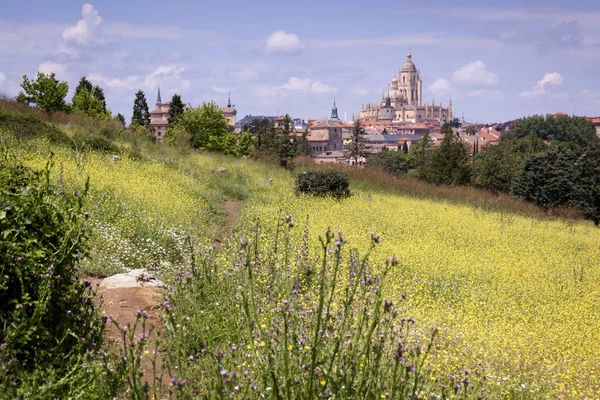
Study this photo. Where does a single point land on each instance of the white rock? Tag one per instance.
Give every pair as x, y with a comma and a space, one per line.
134, 278
222, 169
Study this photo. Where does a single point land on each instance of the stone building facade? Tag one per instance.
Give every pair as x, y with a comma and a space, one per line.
404, 101
229, 112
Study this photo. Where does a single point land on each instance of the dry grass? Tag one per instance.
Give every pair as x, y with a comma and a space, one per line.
375, 178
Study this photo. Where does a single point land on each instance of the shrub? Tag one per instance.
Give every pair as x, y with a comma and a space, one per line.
324, 183
48, 318
87, 142
26, 127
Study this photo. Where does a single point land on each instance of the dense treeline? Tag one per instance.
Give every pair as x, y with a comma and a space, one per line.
553, 161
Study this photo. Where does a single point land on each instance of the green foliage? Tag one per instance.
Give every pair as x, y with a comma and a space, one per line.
141, 115
323, 183
121, 119
586, 195
575, 133
420, 155
245, 143
449, 161
207, 128
548, 179
495, 166
26, 127
45, 92
84, 84
86, 103
470, 131
176, 109
85, 141
394, 162
48, 316
357, 145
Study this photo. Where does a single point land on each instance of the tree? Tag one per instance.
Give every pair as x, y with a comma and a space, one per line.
495, 166
304, 147
471, 131
450, 161
405, 147
121, 119
394, 162
358, 143
548, 179
574, 133
46, 93
84, 84
141, 115
245, 143
85, 103
206, 126
286, 146
420, 155
586, 195
177, 108
99, 95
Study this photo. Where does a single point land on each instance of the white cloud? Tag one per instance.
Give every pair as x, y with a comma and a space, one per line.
540, 89
86, 28
130, 82
294, 85
49, 67
476, 74
2, 78
170, 76
440, 86
306, 85
281, 42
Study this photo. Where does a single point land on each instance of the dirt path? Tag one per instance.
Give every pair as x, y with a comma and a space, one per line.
123, 303
233, 210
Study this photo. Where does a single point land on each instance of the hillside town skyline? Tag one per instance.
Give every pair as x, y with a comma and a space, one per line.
496, 62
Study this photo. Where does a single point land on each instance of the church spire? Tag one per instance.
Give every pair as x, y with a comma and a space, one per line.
334, 112
158, 100
229, 100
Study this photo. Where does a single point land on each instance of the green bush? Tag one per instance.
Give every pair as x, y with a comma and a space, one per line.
28, 127
323, 183
48, 318
87, 142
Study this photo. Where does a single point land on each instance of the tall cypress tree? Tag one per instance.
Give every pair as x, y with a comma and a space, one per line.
176, 109
141, 115
99, 94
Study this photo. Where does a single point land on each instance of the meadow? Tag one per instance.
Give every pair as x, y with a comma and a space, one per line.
517, 294
513, 297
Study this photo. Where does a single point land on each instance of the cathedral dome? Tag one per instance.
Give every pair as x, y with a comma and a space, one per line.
409, 66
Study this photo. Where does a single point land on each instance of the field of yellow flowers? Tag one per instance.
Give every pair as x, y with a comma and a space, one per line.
519, 295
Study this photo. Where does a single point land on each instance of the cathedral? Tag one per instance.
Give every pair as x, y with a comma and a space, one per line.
404, 101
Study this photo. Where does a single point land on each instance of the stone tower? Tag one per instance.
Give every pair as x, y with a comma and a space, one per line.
409, 82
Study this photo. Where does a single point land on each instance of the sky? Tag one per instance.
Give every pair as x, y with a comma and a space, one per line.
496, 60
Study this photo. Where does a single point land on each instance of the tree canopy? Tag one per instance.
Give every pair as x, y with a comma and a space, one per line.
176, 109
45, 92
141, 115
357, 145
575, 133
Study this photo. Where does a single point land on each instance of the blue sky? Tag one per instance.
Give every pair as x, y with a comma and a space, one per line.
497, 60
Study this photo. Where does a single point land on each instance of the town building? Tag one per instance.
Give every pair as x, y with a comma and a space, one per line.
404, 100
159, 118
229, 112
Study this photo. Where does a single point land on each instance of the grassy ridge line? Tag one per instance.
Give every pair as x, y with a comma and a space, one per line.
377, 180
